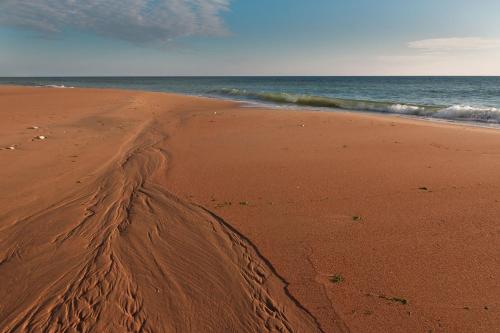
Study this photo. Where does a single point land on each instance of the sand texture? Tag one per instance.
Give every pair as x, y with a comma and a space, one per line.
148, 212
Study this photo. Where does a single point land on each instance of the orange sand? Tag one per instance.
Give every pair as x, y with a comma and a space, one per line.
127, 218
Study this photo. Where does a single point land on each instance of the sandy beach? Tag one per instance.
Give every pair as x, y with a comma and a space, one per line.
129, 211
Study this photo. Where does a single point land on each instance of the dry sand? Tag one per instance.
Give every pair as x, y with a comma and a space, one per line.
146, 212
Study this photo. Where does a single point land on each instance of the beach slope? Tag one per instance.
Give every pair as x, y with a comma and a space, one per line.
127, 211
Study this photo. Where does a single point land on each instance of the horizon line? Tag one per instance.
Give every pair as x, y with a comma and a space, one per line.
221, 76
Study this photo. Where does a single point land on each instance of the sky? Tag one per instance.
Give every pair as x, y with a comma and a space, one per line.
249, 37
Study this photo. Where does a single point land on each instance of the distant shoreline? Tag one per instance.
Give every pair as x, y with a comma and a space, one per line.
456, 99
263, 105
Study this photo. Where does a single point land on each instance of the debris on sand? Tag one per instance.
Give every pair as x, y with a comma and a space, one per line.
33, 127
224, 204
399, 300
394, 299
336, 278
40, 137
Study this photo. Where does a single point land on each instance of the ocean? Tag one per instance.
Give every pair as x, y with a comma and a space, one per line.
471, 99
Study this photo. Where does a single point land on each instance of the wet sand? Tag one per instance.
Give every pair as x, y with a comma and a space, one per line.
158, 212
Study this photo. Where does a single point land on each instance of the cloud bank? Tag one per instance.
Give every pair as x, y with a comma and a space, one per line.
455, 44
137, 21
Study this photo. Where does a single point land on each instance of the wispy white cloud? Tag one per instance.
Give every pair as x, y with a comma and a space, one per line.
440, 63
455, 44
138, 21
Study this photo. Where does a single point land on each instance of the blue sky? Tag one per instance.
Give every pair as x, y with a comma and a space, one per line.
249, 37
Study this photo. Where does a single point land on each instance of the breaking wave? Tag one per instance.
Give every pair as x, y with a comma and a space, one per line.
452, 112
62, 86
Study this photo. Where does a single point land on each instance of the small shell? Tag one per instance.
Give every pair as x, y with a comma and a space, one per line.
40, 137
11, 148
33, 127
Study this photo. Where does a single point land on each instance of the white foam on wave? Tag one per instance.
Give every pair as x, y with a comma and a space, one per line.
403, 108
62, 86
467, 112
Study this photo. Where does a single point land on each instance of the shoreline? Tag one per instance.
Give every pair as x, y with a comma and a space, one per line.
273, 106
359, 216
